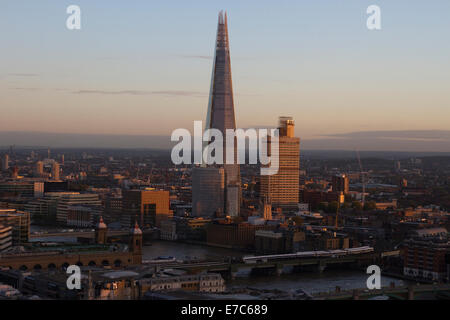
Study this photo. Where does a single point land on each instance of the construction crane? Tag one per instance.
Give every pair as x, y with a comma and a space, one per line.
362, 178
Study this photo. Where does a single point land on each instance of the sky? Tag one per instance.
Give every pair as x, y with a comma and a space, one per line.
144, 68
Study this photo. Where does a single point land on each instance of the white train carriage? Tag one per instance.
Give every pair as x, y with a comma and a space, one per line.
359, 250
321, 253
307, 254
338, 253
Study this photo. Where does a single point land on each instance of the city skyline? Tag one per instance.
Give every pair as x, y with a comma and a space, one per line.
389, 141
122, 177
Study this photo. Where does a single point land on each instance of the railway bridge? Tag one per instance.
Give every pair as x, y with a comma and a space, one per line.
273, 266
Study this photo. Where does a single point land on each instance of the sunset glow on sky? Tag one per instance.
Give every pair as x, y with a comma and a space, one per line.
144, 69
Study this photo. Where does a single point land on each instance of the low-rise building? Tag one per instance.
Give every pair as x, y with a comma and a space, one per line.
425, 252
168, 230
209, 282
233, 235
279, 241
83, 216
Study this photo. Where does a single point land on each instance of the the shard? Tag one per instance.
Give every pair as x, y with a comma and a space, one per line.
220, 116
221, 105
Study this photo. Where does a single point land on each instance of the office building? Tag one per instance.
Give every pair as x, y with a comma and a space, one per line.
168, 230
424, 254
39, 171
233, 235
19, 221
5, 162
67, 200
55, 171
5, 238
340, 183
279, 241
21, 189
282, 188
191, 228
208, 192
43, 210
113, 208
83, 216
146, 207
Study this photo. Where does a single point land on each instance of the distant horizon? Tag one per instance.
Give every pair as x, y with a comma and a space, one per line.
145, 69
435, 141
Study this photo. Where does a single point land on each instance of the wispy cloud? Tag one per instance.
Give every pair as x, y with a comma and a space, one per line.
24, 89
109, 58
412, 135
143, 92
203, 57
193, 56
23, 74
180, 93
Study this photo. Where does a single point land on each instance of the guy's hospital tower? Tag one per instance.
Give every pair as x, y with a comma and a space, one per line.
216, 189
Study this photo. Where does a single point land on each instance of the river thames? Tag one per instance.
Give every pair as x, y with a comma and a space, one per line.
311, 282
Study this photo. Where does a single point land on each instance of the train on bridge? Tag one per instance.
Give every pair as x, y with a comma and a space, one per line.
308, 254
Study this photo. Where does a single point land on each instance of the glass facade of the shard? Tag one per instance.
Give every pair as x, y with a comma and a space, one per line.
221, 116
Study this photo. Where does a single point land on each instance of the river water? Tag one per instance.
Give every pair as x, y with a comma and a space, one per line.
311, 282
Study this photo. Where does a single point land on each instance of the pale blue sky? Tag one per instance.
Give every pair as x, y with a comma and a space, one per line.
143, 67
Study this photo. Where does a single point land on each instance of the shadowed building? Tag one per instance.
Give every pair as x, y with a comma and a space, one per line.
100, 254
68, 199
39, 170
340, 183
208, 185
5, 162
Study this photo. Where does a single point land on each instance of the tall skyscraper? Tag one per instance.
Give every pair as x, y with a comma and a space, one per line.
340, 183
55, 171
39, 171
220, 116
208, 191
5, 162
282, 189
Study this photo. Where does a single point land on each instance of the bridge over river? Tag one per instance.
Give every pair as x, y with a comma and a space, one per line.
231, 268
